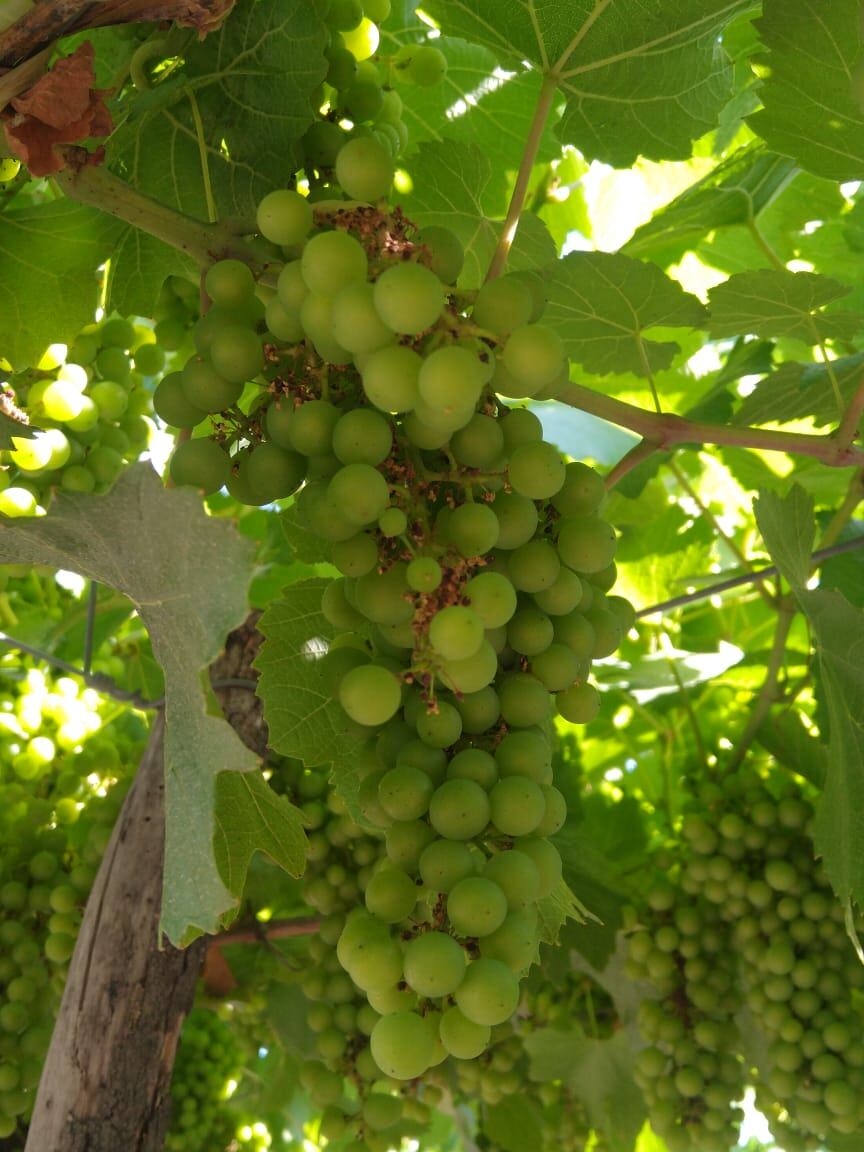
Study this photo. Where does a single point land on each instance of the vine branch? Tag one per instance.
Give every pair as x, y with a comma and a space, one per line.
523, 176
664, 430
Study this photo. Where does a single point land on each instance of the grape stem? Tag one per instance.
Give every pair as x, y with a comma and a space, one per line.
523, 176
203, 243
664, 430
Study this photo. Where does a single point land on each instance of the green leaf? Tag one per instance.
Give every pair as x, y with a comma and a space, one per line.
250, 817
643, 86
734, 192
251, 81
797, 391
838, 637
556, 909
601, 303
186, 574
599, 1072
788, 529
450, 187
812, 87
303, 719
51, 254
514, 1125
772, 302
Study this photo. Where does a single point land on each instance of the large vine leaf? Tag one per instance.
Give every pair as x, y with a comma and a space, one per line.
646, 85
251, 84
787, 526
812, 88
601, 303
735, 192
49, 289
515, 1124
303, 719
796, 391
450, 188
186, 574
775, 302
250, 817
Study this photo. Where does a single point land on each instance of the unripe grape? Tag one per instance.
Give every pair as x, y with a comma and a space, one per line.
434, 964
459, 810
409, 298
476, 906
402, 1045
404, 793
229, 283
502, 305
492, 598
391, 895
331, 261
200, 464
364, 168
489, 992
586, 543
517, 876
171, 404
390, 378
462, 1037
360, 492
444, 863
548, 862
456, 633
370, 694
517, 805
473, 764
534, 356
357, 325
445, 254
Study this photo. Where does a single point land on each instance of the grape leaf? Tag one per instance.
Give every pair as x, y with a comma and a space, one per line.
450, 188
250, 817
645, 86
734, 192
515, 1124
555, 910
837, 628
49, 289
599, 1072
796, 391
811, 93
601, 303
303, 719
186, 573
251, 82
772, 302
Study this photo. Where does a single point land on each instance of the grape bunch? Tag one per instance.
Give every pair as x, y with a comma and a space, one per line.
54, 827
209, 1060
473, 598
89, 415
689, 1071
753, 858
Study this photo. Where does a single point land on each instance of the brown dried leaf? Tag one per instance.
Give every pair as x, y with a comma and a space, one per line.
61, 108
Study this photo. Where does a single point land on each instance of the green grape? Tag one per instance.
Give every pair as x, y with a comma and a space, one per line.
362, 436
444, 863
9, 169
555, 813
459, 810
456, 633
534, 356
472, 674
364, 166
404, 792
451, 379
381, 1112
268, 473
282, 323
489, 993
582, 493
402, 1045
444, 252
149, 359
277, 421
331, 261
562, 596
342, 66
426, 66
381, 596
391, 895
586, 544
409, 298
355, 556
371, 694
473, 764
534, 566
376, 964
106, 464
476, 906
530, 632
311, 427
393, 522
517, 519
579, 704
514, 943
547, 859
62, 400
434, 964
517, 805
502, 305
537, 471
441, 728
361, 101
113, 364
473, 529
479, 444
291, 287
515, 873
284, 217
356, 323
236, 354
390, 378
360, 492
204, 389
520, 426
492, 598
200, 464
111, 399
405, 841
523, 699
558, 667
229, 283
462, 1037
377, 10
